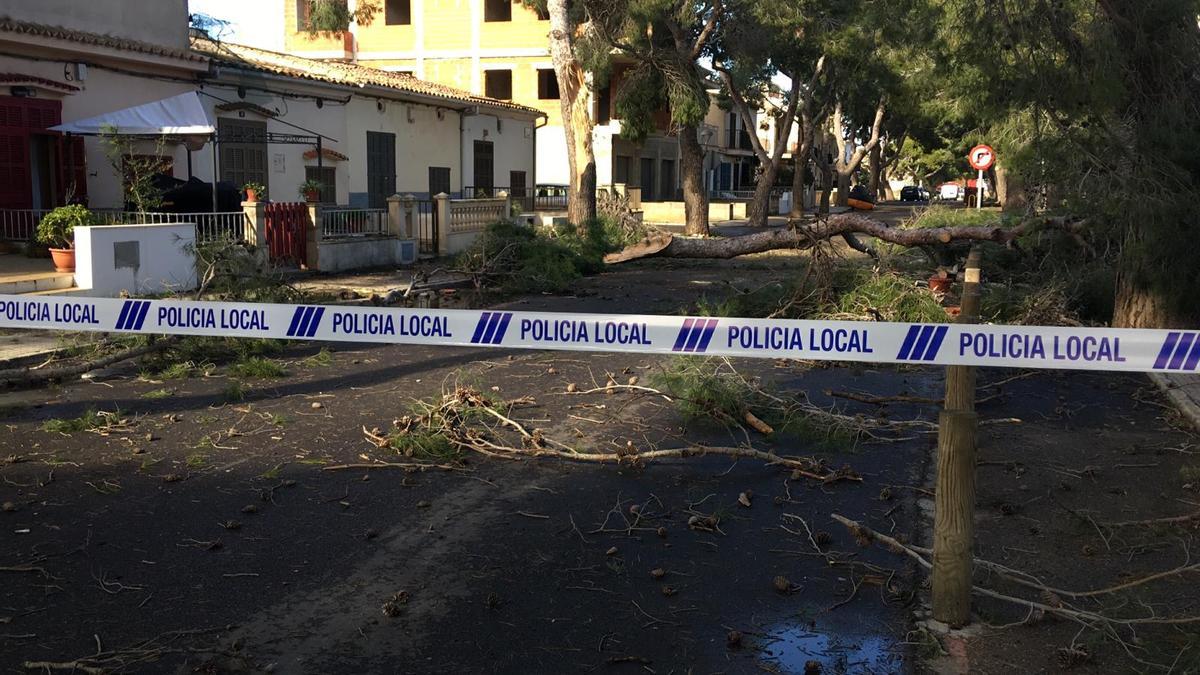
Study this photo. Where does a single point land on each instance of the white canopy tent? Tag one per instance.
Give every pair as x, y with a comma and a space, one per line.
181, 115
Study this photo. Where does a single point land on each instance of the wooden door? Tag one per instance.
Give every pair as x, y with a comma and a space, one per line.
381, 168
485, 166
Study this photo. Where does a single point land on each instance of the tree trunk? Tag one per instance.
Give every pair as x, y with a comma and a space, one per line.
1137, 304
843, 177
760, 205
1010, 190
876, 159
695, 197
827, 186
574, 101
800, 174
842, 224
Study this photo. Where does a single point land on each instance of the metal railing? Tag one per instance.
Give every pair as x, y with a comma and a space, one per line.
738, 139
347, 222
536, 198
21, 224
425, 228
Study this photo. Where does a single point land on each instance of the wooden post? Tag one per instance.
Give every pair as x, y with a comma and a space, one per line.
954, 515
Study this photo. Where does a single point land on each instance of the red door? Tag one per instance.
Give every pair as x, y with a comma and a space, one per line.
287, 229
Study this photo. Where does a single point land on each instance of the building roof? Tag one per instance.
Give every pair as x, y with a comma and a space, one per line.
18, 78
339, 72
10, 25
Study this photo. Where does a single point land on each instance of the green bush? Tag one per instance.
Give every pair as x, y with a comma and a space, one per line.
522, 259
57, 228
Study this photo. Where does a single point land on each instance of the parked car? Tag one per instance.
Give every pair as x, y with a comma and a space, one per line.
914, 193
950, 192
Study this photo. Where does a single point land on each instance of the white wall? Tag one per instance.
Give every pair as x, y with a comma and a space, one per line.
162, 262
512, 141
424, 142
552, 165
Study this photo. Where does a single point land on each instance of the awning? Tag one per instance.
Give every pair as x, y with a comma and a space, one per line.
180, 115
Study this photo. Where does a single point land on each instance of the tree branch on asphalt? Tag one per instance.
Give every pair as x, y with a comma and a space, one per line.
842, 224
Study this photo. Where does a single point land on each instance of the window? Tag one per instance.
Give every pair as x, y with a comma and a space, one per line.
327, 177
621, 171
398, 13
302, 10
516, 183
604, 105
547, 84
497, 10
439, 180
498, 84
484, 161
243, 149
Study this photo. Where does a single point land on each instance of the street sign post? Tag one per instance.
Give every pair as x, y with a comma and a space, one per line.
981, 158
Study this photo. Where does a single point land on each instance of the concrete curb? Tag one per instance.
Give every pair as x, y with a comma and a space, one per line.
1184, 392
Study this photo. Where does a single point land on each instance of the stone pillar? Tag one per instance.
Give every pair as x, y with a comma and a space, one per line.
412, 216
312, 228
397, 215
255, 231
503, 194
441, 202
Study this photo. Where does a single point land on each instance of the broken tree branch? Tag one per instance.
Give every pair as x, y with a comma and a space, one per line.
664, 244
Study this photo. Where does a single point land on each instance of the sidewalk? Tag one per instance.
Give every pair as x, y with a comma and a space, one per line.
22, 344
1184, 392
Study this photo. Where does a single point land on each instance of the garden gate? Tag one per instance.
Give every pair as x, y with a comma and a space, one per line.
286, 226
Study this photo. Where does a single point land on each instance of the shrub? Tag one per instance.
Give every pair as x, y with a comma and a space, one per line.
523, 259
57, 228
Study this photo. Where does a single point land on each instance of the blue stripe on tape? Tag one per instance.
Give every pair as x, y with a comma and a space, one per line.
694, 336
305, 312
1167, 349
1185, 343
291, 331
316, 321
124, 314
502, 328
707, 337
1193, 358
479, 327
922, 341
683, 335
909, 339
141, 315
491, 328
938, 336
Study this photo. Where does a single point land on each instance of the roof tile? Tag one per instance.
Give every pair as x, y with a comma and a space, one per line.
10, 25
338, 72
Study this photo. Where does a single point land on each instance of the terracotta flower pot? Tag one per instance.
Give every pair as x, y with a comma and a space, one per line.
940, 284
252, 195
312, 196
64, 259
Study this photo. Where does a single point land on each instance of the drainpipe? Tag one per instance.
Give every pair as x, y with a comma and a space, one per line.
462, 153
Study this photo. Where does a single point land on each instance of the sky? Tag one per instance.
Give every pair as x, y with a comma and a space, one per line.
258, 23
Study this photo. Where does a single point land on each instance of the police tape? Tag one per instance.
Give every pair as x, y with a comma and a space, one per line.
1111, 349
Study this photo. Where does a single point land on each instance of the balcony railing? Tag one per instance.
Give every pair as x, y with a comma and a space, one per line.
348, 222
537, 198
738, 139
21, 224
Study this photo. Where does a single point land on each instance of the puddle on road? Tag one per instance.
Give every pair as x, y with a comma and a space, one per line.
791, 647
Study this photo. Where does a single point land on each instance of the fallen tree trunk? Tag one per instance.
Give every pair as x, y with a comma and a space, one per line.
31, 376
844, 224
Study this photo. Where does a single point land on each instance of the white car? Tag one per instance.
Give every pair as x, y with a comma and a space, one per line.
949, 192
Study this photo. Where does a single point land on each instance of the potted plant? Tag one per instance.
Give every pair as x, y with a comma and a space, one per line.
311, 190
57, 230
254, 191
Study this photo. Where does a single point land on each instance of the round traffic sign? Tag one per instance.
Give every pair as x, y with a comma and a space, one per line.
982, 157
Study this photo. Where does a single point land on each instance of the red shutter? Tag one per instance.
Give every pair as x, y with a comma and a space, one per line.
15, 189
